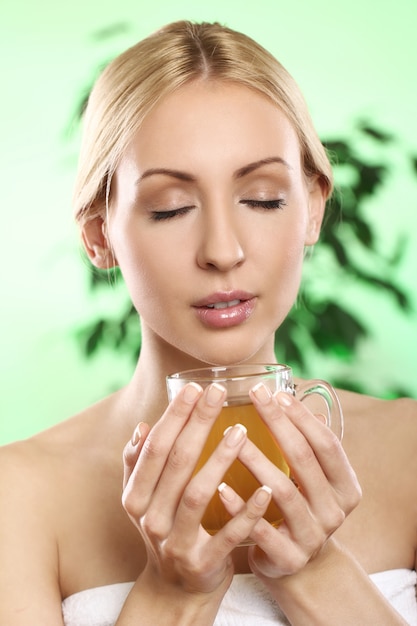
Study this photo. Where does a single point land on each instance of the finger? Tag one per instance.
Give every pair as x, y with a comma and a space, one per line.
247, 517
328, 451
186, 451
286, 495
311, 449
321, 417
204, 484
316, 458
132, 449
275, 549
179, 461
146, 472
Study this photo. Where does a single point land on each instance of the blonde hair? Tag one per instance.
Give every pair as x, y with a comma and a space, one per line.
135, 81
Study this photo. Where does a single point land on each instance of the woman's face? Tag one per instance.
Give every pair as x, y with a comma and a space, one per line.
209, 216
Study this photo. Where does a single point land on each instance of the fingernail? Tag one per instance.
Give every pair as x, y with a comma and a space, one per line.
284, 399
321, 417
191, 392
262, 393
235, 434
215, 394
263, 495
137, 436
225, 491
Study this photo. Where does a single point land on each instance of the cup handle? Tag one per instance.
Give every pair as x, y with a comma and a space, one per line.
334, 416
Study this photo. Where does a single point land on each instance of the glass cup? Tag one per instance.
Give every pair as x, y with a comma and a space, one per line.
238, 380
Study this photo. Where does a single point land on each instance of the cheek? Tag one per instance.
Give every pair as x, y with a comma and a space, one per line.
283, 246
289, 270
283, 260
134, 257
147, 269
143, 276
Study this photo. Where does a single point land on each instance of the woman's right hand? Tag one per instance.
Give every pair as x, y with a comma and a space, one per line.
166, 502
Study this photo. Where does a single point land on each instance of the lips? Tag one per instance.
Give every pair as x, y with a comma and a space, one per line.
224, 305
225, 309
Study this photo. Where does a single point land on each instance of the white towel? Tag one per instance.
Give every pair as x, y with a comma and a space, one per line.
246, 603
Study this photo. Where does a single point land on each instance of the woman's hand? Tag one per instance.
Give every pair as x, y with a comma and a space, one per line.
166, 502
322, 490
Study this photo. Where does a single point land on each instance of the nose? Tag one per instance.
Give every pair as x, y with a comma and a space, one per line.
221, 246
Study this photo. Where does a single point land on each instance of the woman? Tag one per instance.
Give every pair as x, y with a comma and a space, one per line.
202, 178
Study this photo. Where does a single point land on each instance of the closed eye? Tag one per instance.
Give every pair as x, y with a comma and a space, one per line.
278, 203
158, 216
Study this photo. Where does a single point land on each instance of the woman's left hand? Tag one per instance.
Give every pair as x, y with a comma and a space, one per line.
322, 491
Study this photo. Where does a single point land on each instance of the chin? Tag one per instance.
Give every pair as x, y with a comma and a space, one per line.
232, 355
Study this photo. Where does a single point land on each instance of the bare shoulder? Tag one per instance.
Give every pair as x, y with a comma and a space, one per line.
33, 471
381, 434
29, 589
380, 441
43, 479
367, 411
82, 438
38, 469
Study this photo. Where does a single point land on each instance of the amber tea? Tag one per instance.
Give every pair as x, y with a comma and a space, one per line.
237, 476
238, 381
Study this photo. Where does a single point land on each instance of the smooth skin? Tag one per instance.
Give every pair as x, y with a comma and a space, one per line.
108, 495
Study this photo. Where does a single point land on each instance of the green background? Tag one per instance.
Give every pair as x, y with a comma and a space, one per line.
351, 59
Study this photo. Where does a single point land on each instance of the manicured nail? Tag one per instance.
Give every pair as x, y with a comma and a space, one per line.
234, 434
191, 392
262, 393
215, 394
225, 491
321, 417
284, 399
263, 495
137, 436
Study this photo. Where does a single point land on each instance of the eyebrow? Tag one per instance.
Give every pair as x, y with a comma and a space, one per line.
166, 172
247, 169
240, 173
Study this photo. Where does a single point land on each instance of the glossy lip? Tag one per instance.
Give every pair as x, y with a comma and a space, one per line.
227, 317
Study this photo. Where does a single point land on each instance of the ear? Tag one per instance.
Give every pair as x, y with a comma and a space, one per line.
96, 243
317, 196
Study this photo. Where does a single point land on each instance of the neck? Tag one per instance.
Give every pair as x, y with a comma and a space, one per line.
146, 394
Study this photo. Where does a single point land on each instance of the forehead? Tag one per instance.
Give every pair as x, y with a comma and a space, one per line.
213, 122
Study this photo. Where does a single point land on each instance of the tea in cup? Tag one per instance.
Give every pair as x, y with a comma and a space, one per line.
238, 408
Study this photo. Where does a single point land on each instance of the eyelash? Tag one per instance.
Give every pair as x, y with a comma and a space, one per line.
159, 216
267, 205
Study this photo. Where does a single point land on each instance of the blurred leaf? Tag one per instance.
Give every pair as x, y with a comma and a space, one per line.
338, 249
400, 296
356, 386
378, 134
91, 336
287, 349
337, 329
339, 151
104, 278
371, 177
363, 231
111, 31
399, 251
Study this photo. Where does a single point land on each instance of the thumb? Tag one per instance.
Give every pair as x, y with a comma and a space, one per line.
132, 450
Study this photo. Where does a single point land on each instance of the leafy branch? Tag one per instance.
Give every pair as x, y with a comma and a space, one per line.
349, 244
